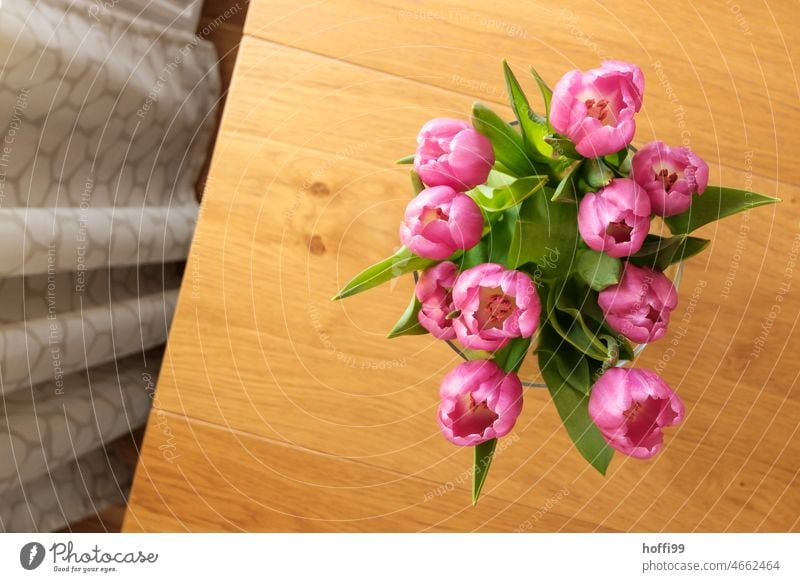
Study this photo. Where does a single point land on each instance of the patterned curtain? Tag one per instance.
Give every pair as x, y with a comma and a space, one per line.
107, 110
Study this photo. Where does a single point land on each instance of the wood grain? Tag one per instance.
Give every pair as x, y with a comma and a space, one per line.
262, 370
732, 85
274, 486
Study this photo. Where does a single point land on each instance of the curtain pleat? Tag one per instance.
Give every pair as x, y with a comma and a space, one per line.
123, 109
52, 240
45, 349
83, 487
47, 428
107, 110
27, 298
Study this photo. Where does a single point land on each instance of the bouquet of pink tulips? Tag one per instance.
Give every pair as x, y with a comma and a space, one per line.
543, 229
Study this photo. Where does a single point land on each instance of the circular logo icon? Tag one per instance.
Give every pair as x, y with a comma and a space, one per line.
31, 555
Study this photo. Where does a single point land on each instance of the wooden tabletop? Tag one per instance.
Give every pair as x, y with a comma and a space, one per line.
278, 410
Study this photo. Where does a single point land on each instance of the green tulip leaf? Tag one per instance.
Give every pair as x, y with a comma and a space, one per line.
409, 159
499, 238
596, 173
507, 143
400, 263
498, 179
573, 367
616, 159
533, 126
660, 252
572, 405
567, 316
478, 254
482, 460
563, 146
416, 183
547, 95
546, 234
508, 195
715, 203
597, 269
655, 244
511, 356
567, 189
408, 324
617, 349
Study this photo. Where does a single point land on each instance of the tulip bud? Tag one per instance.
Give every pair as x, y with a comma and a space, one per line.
595, 109
479, 402
615, 219
439, 221
495, 304
452, 153
433, 291
639, 305
670, 176
630, 407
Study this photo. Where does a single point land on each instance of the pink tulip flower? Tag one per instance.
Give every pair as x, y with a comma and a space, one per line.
450, 152
479, 402
639, 305
439, 221
615, 219
434, 292
670, 176
595, 109
495, 304
630, 407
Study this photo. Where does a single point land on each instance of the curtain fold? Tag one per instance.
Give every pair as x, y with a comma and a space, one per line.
48, 429
45, 349
107, 111
83, 487
27, 298
101, 109
51, 240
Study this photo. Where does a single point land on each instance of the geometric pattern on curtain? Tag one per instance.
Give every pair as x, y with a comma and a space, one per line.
106, 113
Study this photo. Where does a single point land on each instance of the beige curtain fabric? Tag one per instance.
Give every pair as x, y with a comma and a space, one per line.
70, 492
106, 110
43, 429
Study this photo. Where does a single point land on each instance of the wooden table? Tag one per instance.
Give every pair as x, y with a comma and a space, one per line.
278, 410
